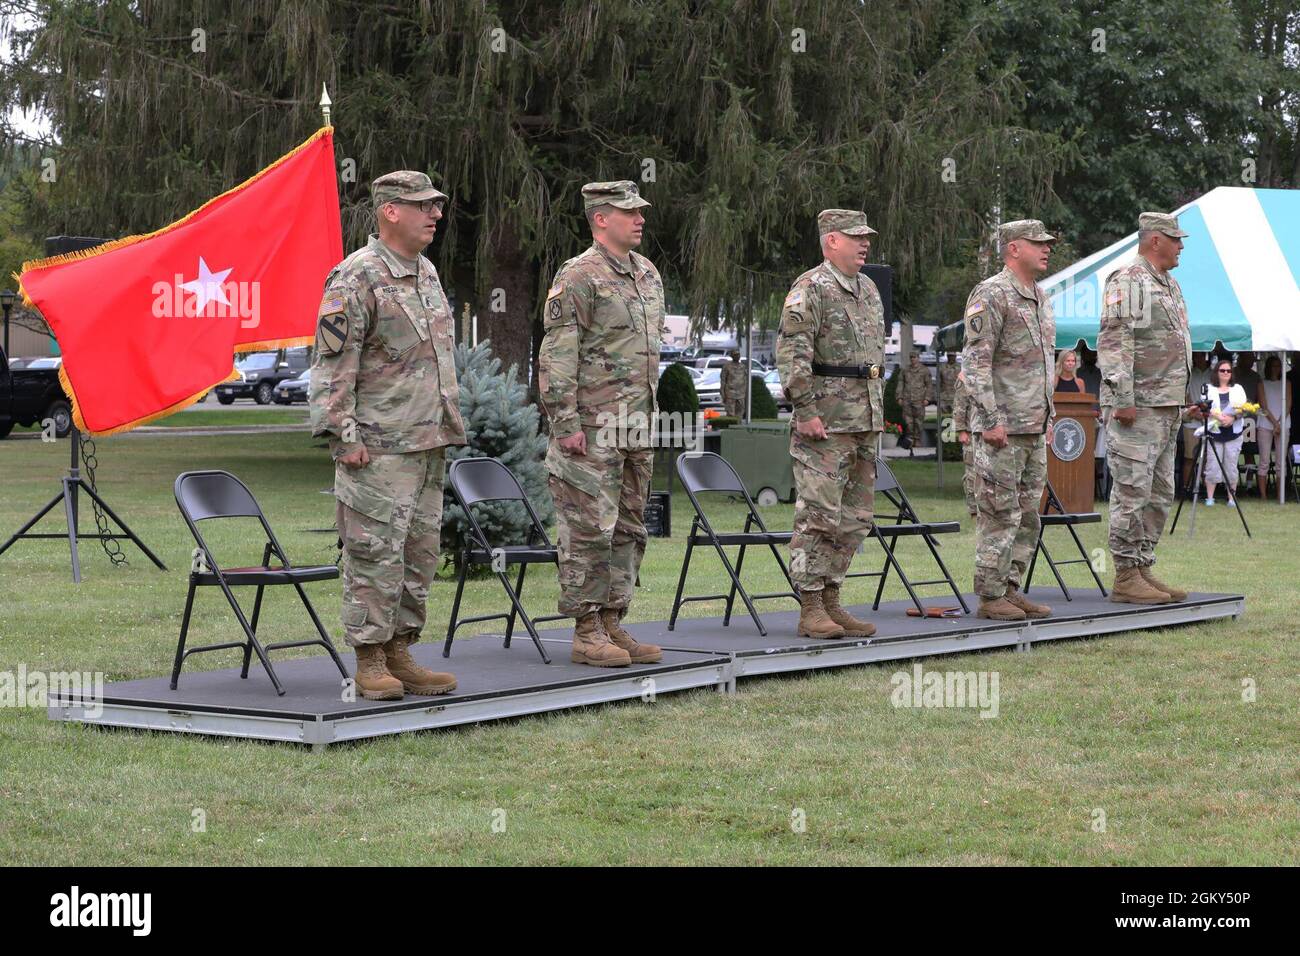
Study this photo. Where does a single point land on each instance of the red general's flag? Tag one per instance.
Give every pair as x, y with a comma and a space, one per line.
147, 324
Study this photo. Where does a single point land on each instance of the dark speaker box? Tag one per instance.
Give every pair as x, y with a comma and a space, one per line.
883, 277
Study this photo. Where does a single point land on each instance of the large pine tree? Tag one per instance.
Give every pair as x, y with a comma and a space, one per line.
740, 119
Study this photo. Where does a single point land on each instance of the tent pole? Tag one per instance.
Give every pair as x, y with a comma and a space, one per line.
1284, 432
938, 414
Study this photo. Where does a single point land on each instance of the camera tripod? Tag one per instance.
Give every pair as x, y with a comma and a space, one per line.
1208, 445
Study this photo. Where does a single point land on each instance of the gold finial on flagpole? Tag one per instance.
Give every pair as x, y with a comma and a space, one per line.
325, 103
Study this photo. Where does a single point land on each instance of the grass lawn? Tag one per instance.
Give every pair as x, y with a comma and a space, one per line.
1149, 728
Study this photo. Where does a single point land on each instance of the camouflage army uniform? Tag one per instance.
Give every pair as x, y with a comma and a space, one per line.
914, 388
833, 319
733, 387
383, 378
1145, 353
961, 423
599, 367
947, 387
1008, 363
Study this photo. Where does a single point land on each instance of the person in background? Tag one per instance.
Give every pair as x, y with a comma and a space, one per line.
1246, 376
1274, 399
1225, 395
1066, 379
1191, 444
1089, 371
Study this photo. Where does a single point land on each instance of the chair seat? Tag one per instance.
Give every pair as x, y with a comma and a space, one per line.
1082, 517
518, 554
747, 537
268, 576
920, 527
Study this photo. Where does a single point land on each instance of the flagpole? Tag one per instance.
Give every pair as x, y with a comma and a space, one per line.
325, 103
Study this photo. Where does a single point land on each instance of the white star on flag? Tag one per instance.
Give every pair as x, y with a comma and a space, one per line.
207, 287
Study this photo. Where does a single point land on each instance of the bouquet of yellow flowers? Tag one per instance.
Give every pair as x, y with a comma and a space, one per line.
1245, 408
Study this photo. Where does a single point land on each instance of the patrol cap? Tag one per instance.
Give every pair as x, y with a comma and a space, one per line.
1031, 229
1160, 222
404, 184
851, 222
621, 195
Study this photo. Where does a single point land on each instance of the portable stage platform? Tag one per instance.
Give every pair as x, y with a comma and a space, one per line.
496, 683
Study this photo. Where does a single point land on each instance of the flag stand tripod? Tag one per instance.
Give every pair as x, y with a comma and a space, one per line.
72, 483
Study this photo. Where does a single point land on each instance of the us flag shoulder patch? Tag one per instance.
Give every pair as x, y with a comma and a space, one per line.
974, 309
795, 299
1113, 297
332, 304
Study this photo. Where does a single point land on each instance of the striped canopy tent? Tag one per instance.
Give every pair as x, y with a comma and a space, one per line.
1240, 274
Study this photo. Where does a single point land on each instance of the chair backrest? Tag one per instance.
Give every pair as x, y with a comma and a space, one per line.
214, 494
885, 480
201, 495
483, 479
475, 480
707, 471
887, 486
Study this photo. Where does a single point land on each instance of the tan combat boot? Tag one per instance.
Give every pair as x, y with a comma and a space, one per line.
1131, 587
813, 620
999, 609
1178, 594
1032, 610
640, 653
415, 679
591, 644
373, 679
852, 626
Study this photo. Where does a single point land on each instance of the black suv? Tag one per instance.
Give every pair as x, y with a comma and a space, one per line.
261, 372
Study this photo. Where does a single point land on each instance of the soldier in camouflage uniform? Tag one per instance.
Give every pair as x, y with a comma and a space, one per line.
961, 424
829, 352
914, 388
1145, 354
597, 372
735, 374
383, 391
948, 372
1008, 364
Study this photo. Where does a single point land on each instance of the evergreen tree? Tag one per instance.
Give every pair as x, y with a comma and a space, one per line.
741, 120
499, 423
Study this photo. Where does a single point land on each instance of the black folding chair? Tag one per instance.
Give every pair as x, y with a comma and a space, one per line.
474, 480
709, 472
203, 495
905, 523
1053, 515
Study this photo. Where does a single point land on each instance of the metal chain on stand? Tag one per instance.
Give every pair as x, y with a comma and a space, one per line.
88, 464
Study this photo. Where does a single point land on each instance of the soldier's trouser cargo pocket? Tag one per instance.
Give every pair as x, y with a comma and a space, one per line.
1008, 486
600, 515
1141, 462
389, 516
835, 494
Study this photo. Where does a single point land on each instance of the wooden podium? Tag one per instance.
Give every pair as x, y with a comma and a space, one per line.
1070, 464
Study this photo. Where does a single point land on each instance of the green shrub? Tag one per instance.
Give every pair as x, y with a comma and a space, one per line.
677, 391
761, 403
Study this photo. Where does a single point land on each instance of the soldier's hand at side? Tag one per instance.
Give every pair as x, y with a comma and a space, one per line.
575, 444
997, 437
1126, 416
812, 428
356, 459
964, 437
1051, 430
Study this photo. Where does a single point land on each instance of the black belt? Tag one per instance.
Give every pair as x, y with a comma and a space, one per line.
848, 371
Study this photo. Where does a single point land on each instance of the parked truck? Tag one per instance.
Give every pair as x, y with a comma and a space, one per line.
32, 395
